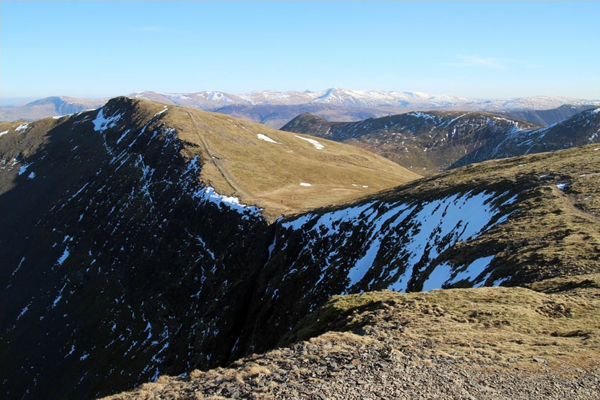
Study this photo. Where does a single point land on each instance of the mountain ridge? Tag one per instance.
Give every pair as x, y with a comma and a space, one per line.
125, 264
427, 142
433, 141
273, 108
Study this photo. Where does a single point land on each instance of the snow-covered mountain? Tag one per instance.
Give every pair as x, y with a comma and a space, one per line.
274, 108
364, 99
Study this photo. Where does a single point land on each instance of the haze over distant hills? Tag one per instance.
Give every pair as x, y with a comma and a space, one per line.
275, 108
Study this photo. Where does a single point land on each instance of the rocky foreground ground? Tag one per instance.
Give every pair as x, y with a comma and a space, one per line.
487, 343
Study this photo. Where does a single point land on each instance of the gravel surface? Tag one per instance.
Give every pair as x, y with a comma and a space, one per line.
374, 366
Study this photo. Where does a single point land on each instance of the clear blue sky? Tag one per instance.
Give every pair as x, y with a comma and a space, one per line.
471, 49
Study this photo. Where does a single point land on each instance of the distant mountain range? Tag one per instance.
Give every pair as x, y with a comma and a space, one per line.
359, 99
48, 107
275, 108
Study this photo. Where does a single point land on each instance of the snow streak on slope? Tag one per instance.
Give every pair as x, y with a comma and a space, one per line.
101, 122
396, 245
208, 194
317, 145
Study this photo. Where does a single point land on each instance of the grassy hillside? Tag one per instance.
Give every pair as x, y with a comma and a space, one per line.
112, 233
282, 172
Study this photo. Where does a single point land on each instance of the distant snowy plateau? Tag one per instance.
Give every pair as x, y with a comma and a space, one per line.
275, 108
362, 98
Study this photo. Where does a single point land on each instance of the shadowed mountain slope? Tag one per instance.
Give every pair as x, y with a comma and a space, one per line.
548, 117
425, 142
117, 215
579, 130
428, 142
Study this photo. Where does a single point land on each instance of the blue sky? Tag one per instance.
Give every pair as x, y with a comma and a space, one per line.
470, 49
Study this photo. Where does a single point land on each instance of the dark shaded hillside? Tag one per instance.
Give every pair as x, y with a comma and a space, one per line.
425, 142
547, 117
485, 343
120, 260
579, 130
116, 263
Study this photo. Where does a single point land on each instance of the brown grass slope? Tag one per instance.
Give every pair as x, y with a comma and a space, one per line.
489, 343
237, 162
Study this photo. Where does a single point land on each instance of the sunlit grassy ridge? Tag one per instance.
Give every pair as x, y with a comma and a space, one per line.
554, 320
266, 167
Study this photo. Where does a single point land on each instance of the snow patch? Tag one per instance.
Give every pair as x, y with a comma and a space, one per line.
474, 270
424, 230
563, 186
3, 133
123, 136
23, 311
102, 123
23, 169
266, 138
305, 184
437, 278
71, 351
162, 111
63, 257
208, 194
59, 296
22, 127
317, 145
31, 175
